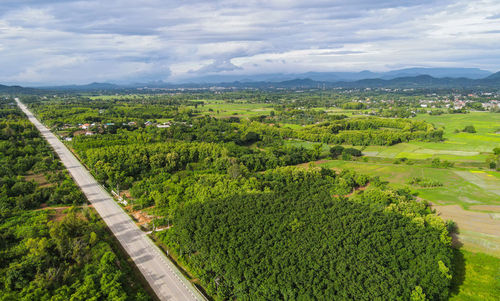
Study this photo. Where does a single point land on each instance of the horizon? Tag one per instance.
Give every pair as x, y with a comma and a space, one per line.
250, 78
52, 42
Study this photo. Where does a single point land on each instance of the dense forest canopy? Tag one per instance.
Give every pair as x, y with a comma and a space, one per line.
295, 241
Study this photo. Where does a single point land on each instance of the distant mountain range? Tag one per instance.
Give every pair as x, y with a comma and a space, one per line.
472, 73
404, 78
15, 89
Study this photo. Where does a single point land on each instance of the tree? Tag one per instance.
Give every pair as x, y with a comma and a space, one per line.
469, 129
317, 150
417, 294
352, 151
336, 151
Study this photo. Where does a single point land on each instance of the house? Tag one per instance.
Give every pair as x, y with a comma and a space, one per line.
148, 123
89, 133
84, 126
164, 125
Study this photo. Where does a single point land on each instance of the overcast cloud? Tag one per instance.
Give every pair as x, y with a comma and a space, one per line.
62, 42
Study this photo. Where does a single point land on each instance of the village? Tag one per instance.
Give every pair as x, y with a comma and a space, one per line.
68, 131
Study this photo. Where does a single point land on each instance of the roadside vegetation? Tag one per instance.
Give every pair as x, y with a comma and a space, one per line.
52, 246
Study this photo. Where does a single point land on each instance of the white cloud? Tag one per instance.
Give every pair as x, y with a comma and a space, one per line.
81, 41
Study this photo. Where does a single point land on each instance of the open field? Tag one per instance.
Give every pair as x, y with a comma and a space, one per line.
455, 189
478, 231
220, 109
458, 147
121, 96
476, 277
485, 139
426, 150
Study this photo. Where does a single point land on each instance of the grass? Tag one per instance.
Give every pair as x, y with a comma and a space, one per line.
484, 140
427, 150
120, 96
476, 277
458, 147
221, 110
455, 190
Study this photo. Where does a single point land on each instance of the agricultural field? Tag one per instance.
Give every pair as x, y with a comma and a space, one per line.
224, 110
171, 156
486, 138
458, 147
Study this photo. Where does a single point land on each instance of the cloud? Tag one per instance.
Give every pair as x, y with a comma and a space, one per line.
50, 41
217, 66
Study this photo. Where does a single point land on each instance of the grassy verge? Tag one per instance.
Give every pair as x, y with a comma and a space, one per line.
174, 258
137, 276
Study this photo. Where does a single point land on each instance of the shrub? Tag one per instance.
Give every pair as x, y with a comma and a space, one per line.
469, 129
336, 151
424, 182
352, 151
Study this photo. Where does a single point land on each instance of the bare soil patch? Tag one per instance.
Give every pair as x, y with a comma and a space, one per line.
40, 179
141, 217
306, 165
494, 208
479, 222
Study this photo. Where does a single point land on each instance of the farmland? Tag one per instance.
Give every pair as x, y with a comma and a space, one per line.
184, 160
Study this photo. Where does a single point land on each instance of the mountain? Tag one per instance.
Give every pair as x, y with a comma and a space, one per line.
364, 79
16, 90
472, 73
88, 87
494, 76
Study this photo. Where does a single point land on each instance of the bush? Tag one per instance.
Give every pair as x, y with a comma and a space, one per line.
336, 151
451, 226
352, 151
437, 163
424, 182
469, 129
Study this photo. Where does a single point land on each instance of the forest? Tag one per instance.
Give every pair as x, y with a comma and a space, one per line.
294, 241
52, 245
242, 209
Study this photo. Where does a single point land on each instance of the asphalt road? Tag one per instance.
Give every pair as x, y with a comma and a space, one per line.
164, 278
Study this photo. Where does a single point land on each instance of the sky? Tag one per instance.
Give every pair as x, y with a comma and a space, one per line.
46, 42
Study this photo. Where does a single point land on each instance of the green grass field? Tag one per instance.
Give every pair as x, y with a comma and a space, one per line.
484, 140
476, 277
456, 189
457, 147
221, 110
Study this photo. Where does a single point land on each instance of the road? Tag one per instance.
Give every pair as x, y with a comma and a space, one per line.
163, 277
